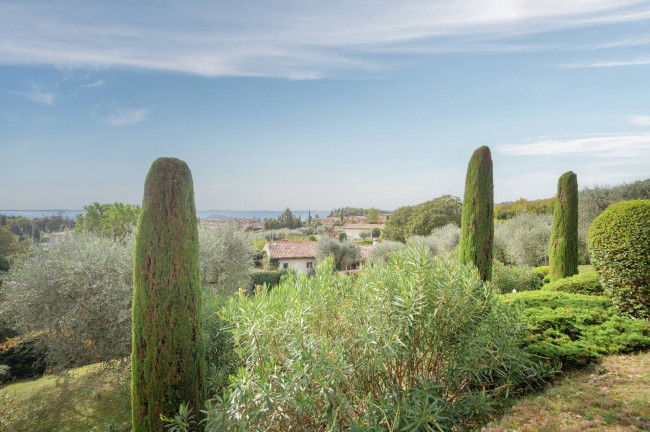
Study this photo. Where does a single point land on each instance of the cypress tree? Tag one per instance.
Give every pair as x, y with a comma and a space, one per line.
563, 250
477, 221
167, 357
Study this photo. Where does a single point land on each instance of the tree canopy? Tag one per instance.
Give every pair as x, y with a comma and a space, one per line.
423, 218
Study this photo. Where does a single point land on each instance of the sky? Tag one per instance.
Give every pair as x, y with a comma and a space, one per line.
313, 104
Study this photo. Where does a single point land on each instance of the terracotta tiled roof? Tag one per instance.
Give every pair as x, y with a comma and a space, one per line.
284, 250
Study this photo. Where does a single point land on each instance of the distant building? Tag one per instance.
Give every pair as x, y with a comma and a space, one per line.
300, 256
353, 231
55, 237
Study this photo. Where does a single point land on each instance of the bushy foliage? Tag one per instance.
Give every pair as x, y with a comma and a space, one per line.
412, 344
477, 223
114, 220
268, 278
594, 200
226, 258
383, 250
585, 283
504, 211
345, 253
523, 240
221, 359
507, 278
421, 219
274, 235
563, 248
575, 329
167, 352
23, 357
77, 292
4, 264
541, 272
619, 246
442, 239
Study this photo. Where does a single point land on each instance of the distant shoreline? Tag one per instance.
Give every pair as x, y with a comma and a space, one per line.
203, 214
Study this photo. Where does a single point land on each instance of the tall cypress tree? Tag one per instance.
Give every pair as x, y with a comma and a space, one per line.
477, 222
167, 357
563, 250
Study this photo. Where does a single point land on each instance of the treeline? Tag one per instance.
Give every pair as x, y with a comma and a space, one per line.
354, 211
421, 219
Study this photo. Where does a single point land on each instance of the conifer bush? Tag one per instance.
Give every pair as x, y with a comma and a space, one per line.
563, 249
619, 246
477, 221
167, 359
412, 344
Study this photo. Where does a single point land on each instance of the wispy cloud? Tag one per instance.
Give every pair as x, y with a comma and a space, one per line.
37, 96
640, 120
608, 63
129, 116
611, 146
93, 85
301, 40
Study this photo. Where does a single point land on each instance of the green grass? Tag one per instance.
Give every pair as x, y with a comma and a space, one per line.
91, 398
613, 395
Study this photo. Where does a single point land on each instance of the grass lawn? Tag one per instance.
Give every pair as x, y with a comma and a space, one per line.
91, 398
613, 395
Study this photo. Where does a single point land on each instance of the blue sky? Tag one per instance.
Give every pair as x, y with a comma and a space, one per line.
312, 104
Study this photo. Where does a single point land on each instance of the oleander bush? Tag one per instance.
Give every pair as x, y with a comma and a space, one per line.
507, 278
575, 329
584, 283
412, 344
619, 246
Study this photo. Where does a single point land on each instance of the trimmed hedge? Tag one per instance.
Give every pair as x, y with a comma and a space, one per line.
270, 278
619, 246
585, 283
507, 278
576, 329
542, 271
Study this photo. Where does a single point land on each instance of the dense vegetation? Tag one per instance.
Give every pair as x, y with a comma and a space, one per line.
619, 244
412, 344
334, 351
421, 219
167, 357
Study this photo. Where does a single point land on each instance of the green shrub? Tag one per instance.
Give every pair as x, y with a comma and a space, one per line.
586, 283
4, 264
576, 329
79, 289
383, 250
477, 221
507, 279
619, 246
563, 248
270, 278
221, 359
412, 344
523, 239
167, 358
24, 357
541, 272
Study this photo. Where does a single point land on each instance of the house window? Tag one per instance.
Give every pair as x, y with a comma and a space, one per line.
285, 265
310, 264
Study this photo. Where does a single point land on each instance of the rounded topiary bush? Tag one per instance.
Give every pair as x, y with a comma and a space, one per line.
619, 247
585, 283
